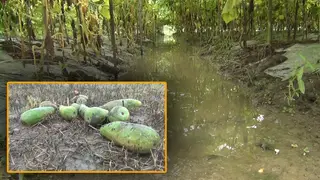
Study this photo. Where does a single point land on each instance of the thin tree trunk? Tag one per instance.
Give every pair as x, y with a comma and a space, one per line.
244, 24
304, 18
240, 21
124, 19
251, 16
270, 25
113, 38
295, 20
219, 17
154, 29
83, 36
46, 36
30, 30
319, 23
119, 33
63, 19
140, 26
287, 19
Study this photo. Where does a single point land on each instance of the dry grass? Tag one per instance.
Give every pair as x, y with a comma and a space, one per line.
59, 145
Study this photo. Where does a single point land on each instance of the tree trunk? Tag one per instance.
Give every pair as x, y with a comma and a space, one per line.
82, 34
244, 24
105, 26
63, 19
295, 20
319, 23
251, 16
30, 30
119, 33
113, 38
140, 26
270, 25
218, 20
304, 18
154, 29
240, 21
287, 19
124, 20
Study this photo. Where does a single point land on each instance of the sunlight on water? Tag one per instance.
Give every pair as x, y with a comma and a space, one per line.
168, 32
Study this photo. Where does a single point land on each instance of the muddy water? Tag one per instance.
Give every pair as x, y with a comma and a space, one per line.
214, 131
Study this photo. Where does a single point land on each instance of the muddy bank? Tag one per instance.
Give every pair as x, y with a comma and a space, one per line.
65, 64
247, 67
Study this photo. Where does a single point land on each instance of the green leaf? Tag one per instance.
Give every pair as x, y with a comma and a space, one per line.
105, 12
281, 17
229, 12
307, 63
197, 24
258, 2
98, 1
56, 8
300, 81
38, 9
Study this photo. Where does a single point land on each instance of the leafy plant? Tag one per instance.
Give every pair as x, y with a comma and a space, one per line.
298, 77
292, 91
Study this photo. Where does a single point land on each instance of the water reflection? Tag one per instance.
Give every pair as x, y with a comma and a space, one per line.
208, 116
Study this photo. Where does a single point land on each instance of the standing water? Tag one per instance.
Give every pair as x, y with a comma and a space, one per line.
215, 133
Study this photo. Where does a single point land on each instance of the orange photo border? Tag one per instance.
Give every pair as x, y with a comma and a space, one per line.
87, 171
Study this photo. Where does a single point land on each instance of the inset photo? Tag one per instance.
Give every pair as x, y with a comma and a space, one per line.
86, 127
